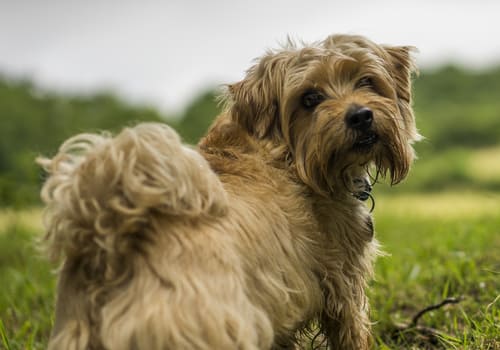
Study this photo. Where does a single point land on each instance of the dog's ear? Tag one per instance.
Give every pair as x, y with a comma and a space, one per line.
402, 67
253, 102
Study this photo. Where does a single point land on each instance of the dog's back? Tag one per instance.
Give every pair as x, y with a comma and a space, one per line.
163, 251
101, 194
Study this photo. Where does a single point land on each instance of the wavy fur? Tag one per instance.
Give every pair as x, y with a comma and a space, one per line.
249, 241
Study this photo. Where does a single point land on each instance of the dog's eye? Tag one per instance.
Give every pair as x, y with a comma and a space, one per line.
365, 82
312, 98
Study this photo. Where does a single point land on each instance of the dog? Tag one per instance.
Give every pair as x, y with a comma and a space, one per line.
250, 240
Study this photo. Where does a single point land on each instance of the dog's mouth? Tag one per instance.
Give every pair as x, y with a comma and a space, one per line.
365, 141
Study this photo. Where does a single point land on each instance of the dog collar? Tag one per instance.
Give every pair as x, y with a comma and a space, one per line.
365, 192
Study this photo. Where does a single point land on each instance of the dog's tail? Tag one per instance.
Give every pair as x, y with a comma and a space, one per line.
102, 187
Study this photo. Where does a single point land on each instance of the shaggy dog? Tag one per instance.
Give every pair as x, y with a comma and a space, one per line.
252, 237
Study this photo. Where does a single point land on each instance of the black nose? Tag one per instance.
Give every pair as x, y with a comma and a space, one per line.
359, 118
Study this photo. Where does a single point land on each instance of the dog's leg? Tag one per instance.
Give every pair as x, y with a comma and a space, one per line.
349, 330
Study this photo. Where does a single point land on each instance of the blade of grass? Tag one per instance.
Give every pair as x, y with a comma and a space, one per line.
3, 334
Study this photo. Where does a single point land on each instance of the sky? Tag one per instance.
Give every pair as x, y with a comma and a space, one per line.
166, 52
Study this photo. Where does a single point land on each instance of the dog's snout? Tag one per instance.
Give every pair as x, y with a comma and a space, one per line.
359, 118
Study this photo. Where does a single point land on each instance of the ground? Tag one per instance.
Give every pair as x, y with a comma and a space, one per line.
441, 245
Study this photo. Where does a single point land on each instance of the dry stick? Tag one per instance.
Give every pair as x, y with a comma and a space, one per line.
415, 318
427, 331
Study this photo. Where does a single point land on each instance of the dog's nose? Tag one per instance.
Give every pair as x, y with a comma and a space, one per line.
359, 118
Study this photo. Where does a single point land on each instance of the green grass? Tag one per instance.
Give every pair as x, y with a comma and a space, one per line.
27, 288
448, 247
439, 246
455, 169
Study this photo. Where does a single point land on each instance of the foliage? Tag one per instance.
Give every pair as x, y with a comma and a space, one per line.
456, 107
457, 111
440, 246
27, 298
198, 117
34, 122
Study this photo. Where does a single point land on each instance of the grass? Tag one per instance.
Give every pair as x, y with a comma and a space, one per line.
455, 169
485, 164
26, 300
438, 245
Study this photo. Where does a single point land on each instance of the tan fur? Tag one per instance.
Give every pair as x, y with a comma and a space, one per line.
247, 240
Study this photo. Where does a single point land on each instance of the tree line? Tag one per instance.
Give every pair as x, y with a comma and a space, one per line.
455, 108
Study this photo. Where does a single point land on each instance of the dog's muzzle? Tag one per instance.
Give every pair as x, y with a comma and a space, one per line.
360, 119
365, 141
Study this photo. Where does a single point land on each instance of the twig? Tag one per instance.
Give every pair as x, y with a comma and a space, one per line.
428, 332
419, 314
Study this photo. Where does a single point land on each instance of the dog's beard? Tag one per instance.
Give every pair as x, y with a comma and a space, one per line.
395, 157
327, 155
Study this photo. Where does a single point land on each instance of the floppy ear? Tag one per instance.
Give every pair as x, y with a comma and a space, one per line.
253, 102
402, 67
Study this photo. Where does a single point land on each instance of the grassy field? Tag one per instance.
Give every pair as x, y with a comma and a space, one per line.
438, 246
27, 284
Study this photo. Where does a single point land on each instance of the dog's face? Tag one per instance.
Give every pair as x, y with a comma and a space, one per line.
338, 106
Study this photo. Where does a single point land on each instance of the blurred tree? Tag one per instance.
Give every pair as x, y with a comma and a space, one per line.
198, 117
455, 108
33, 122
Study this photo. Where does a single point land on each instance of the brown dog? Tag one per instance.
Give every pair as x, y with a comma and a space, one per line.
253, 237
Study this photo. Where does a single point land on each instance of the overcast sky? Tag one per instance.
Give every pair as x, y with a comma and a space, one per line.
165, 52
